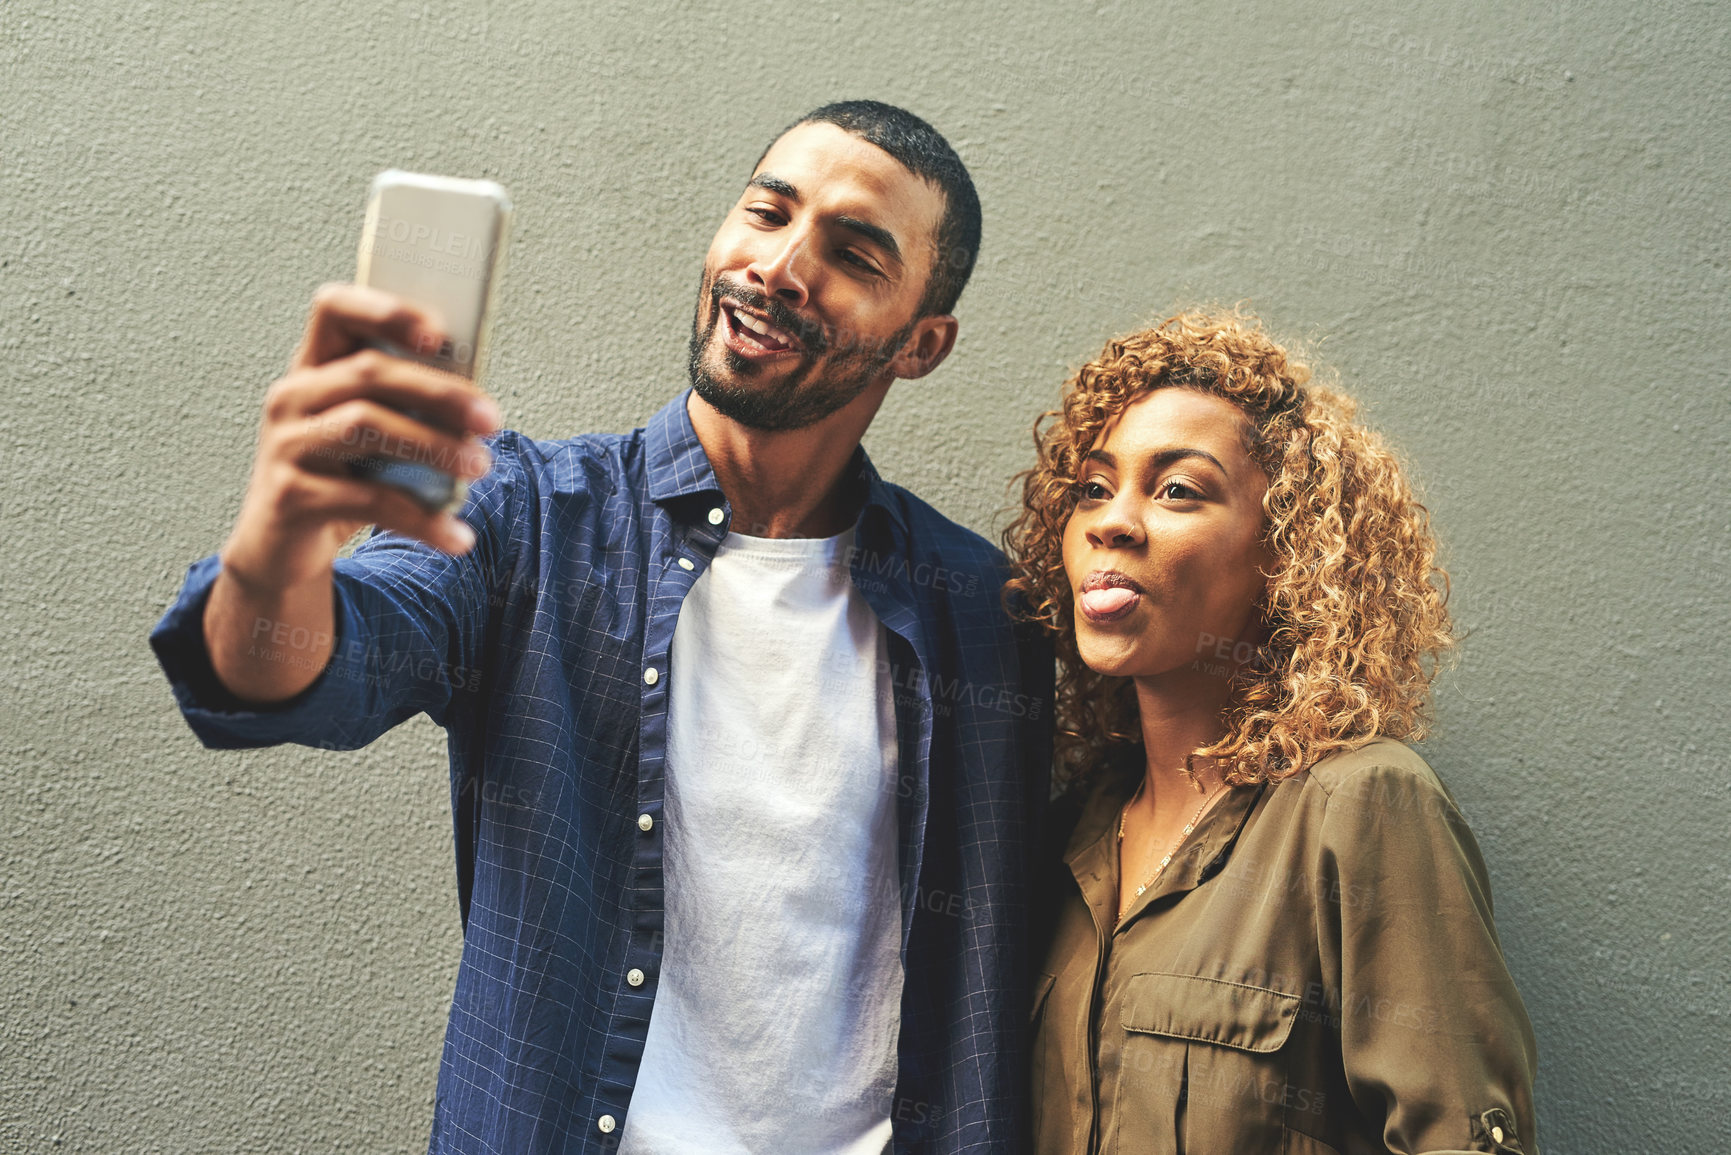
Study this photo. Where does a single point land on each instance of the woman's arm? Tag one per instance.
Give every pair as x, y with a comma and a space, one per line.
1434, 1038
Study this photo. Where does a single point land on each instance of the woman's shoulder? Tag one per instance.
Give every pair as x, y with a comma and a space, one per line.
1383, 785
1384, 761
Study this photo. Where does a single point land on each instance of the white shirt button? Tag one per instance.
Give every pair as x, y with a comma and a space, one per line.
651, 675
606, 1123
717, 515
645, 823
634, 977
685, 563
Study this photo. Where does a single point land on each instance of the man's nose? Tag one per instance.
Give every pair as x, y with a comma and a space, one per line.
779, 270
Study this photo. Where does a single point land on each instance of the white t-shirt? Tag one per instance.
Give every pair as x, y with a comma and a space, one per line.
776, 1019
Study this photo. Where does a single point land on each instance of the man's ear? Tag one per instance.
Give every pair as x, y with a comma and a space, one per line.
925, 348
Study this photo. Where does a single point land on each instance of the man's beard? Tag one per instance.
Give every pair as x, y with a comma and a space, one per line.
802, 398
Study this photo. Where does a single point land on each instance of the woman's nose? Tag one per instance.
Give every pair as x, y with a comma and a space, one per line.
1113, 530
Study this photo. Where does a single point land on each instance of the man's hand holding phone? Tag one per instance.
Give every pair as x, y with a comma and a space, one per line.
341, 402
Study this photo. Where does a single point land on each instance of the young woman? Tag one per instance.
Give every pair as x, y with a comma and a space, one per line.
1270, 929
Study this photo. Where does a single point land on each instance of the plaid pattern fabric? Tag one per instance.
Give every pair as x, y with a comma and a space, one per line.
544, 654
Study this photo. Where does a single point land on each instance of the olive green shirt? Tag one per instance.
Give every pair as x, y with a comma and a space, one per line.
1316, 971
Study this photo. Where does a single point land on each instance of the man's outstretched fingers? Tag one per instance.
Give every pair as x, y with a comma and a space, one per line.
444, 399
341, 499
334, 439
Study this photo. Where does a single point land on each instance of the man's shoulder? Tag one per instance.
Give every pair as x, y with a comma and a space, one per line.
930, 532
566, 464
946, 560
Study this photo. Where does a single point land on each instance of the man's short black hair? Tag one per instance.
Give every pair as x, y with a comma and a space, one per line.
923, 151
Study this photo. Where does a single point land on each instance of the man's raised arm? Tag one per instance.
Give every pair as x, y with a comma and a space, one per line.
340, 401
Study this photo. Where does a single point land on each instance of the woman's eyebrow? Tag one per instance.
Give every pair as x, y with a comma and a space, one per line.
1160, 460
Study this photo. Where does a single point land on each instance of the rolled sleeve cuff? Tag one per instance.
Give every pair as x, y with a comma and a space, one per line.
313, 717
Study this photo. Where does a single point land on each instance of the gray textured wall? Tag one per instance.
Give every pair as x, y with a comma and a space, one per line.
1508, 228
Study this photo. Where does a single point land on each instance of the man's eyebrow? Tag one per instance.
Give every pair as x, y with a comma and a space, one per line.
1161, 460
775, 185
876, 234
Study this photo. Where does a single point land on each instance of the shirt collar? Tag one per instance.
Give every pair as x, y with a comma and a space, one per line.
678, 466
1092, 853
879, 493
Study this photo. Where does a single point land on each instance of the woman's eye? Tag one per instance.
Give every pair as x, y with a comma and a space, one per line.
1178, 491
1090, 491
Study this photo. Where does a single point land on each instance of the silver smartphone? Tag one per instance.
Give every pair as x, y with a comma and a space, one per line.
439, 242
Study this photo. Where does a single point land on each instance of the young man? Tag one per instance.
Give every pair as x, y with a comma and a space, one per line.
745, 755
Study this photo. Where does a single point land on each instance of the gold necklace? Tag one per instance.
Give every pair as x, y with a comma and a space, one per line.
1188, 827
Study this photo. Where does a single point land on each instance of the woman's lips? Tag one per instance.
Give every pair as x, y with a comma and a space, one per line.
1108, 603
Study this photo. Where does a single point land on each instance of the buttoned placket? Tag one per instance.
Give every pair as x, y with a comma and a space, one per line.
693, 546
695, 541
1094, 863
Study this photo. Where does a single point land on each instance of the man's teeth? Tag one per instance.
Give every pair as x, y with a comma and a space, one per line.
759, 327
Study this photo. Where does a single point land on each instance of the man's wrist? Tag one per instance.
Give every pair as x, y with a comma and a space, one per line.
259, 582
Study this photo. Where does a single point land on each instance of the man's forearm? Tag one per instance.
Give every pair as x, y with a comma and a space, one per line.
266, 644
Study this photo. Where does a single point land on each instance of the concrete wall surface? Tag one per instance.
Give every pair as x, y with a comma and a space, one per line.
1505, 225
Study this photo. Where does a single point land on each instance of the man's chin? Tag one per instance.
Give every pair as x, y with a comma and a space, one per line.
729, 374
749, 402
773, 397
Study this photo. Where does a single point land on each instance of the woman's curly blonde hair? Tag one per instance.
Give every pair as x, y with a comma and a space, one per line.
1356, 616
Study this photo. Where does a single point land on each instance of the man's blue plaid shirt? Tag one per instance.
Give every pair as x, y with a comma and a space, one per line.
544, 654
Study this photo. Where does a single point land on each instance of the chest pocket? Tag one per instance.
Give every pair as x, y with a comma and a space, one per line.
1234, 1015
1202, 1070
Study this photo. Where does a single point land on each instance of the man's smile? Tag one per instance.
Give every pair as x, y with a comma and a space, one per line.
752, 334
